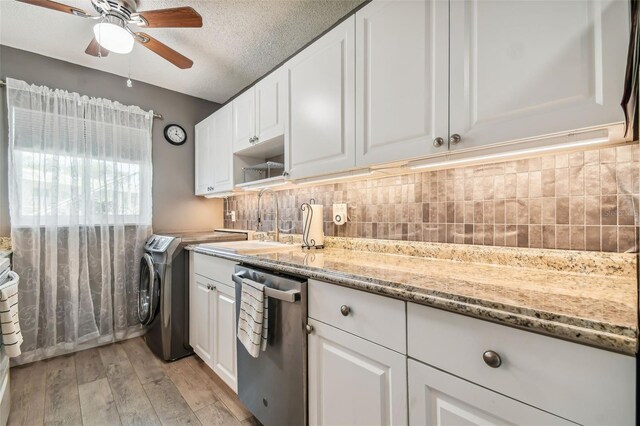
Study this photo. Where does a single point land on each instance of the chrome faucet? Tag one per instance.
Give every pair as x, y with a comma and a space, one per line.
275, 219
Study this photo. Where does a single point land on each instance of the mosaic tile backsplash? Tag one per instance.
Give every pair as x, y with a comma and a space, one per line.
584, 200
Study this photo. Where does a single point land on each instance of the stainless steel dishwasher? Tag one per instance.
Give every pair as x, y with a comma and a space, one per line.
273, 386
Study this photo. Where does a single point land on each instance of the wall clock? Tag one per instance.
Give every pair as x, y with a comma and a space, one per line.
175, 134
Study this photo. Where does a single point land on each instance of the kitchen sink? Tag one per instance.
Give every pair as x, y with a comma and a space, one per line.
249, 247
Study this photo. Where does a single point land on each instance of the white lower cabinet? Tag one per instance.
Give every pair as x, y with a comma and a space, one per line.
223, 334
441, 399
457, 370
576, 382
353, 381
200, 317
212, 315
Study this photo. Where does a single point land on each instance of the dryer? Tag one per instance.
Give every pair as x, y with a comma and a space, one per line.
163, 291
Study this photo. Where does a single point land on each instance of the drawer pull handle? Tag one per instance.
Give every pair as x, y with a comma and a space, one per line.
345, 310
492, 359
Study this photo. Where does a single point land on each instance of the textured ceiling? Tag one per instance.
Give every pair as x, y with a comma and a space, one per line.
239, 42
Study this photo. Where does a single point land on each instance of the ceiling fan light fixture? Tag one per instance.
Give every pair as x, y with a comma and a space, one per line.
112, 35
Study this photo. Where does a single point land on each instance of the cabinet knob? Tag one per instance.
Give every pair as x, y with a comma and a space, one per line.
345, 310
308, 328
438, 142
492, 359
455, 139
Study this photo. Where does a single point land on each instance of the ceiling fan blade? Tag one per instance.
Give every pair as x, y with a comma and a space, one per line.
166, 18
163, 50
94, 49
56, 6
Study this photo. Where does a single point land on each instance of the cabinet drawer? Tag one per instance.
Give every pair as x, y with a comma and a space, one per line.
213, 268
577, 382
376, 318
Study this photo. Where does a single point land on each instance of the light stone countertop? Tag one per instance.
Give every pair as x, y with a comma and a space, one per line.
597, 306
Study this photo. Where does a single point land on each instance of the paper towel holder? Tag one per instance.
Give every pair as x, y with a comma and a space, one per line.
306, 242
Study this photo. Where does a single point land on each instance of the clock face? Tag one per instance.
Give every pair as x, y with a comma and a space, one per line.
175, 134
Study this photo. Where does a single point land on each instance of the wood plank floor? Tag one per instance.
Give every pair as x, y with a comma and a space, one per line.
122, 384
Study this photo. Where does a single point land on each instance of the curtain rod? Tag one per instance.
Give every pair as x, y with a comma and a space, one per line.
155, 115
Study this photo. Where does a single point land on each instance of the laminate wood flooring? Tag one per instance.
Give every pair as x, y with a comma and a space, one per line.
122, 384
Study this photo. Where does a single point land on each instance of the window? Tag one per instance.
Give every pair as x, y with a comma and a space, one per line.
72, 171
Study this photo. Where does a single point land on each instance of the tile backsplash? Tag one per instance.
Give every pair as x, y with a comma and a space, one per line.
586, 200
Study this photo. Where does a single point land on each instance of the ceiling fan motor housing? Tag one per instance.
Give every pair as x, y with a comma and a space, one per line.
122, 9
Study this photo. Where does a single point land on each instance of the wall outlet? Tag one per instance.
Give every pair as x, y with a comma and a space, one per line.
340, 214
232, 215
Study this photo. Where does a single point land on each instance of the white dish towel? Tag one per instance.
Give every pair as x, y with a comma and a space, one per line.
9, 322
254, 316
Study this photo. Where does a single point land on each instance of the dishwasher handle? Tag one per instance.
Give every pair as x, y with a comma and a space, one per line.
284, 295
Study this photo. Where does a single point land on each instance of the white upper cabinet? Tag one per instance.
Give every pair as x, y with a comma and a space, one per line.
259, 114
204, 177
213, 153
522, 69
322, 112
222, 150
402, 79
271, 106
244, 120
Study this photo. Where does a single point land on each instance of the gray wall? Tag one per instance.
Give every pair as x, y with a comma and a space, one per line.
175, 208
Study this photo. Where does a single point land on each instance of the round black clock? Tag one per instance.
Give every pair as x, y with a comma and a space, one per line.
175, 134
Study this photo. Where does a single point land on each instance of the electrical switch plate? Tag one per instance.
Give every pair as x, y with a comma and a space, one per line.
233, 215
339, 214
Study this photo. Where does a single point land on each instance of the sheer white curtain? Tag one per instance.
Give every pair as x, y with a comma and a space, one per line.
80, 202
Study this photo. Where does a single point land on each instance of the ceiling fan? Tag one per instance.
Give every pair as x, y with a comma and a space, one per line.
112, 32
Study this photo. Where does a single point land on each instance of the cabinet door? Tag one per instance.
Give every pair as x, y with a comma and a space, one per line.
353, 381
440, 399
222, 160
522, 69
271, 99
402, 79
204, 178
244, 119
200, 317
321, 101
224, 334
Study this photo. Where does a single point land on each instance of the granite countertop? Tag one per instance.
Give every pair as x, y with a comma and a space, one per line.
595, 303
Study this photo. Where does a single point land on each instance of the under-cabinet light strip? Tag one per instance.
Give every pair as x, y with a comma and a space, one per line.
506, 155
335, 178
220, 195
265, 186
